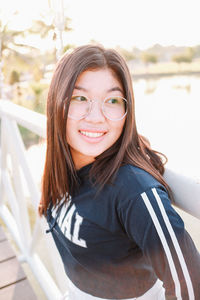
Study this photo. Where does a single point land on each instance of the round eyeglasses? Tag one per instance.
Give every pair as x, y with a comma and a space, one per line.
114, 108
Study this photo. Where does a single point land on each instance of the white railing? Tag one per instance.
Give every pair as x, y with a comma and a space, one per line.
15, 205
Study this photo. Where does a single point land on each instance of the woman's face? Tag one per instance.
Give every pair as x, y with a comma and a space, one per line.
92, 135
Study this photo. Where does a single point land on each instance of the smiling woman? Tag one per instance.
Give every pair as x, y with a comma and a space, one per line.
104, 196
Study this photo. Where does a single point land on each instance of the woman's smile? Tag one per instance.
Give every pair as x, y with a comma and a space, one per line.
92, 136
92, 133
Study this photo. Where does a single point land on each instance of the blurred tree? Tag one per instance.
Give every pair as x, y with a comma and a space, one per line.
190, 51
185, 57
37, 72
22, 63
7, 40
43, 29
40, 27
39, 103
197, 51
127, 55
8, 37
22, 58
14, 77
182, 58
15, 54
149, 58
68, 47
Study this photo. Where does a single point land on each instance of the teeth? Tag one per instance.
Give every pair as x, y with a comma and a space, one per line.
92, 134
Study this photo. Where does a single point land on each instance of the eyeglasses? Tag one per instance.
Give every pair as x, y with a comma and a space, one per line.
114, 108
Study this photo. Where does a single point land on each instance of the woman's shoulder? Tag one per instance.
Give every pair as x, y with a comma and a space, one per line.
134, 180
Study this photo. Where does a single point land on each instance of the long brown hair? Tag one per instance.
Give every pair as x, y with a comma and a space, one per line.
60, 176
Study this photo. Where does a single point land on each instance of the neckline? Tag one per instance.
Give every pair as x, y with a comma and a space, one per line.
84, 170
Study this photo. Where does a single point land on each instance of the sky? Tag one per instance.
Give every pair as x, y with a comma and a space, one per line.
126, 23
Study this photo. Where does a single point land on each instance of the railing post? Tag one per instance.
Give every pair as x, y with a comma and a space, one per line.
15, 144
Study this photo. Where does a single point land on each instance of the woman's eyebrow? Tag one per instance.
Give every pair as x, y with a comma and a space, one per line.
116, 88
113, 89
80, 88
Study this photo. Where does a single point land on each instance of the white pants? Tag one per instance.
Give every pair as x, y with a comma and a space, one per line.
157, 292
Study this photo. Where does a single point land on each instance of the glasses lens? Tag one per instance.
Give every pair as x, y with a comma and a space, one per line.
115, 108
79, 107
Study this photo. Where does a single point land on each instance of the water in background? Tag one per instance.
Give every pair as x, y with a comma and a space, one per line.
168, 114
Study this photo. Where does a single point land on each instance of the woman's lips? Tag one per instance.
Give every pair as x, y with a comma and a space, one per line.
92, 135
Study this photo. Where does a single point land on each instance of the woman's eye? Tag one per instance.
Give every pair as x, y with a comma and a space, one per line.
79, 98
113, 101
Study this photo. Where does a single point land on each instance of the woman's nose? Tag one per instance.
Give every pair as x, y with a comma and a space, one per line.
95, 114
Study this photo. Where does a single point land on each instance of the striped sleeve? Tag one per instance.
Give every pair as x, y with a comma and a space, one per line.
159, 231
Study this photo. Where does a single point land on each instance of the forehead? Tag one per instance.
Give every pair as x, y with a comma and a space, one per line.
104, 79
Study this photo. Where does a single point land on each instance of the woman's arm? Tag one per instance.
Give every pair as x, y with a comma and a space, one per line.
159, 231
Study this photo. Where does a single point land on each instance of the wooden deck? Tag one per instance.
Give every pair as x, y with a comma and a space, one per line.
13, 281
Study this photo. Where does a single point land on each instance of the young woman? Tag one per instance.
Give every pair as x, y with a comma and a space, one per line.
106, 202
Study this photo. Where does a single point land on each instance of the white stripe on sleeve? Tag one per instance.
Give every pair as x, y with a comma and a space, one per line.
176, 246
165, 245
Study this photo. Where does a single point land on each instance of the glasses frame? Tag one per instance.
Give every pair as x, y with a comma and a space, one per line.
102, 108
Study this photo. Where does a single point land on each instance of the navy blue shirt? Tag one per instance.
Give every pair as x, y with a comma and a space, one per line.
116, 244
